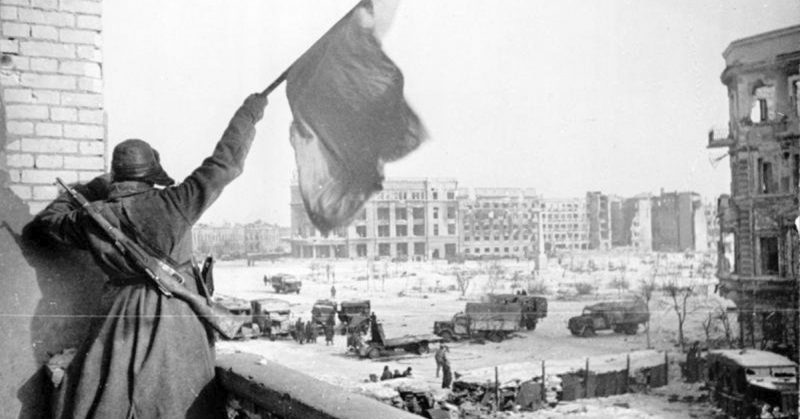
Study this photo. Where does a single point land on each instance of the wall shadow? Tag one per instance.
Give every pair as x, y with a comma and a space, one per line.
52, 296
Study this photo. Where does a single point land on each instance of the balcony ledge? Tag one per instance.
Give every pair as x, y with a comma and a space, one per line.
267, 387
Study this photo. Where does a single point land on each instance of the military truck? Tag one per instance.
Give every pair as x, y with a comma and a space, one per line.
272, 317
534, 307
266, 317
494, 322
354, 315
283, 283
621, 316
751, 383
379, 345
322, 312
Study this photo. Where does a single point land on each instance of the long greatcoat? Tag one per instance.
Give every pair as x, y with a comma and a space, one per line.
151, 357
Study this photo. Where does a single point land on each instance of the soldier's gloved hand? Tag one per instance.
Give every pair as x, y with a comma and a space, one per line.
255, 104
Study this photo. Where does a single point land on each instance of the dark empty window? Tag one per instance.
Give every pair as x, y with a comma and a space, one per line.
383, 213
402, 249
768, 183
769, 255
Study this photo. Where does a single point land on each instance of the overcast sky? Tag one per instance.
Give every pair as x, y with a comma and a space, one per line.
561, 96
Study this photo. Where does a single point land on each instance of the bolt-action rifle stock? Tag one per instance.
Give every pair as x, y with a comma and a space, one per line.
165, 278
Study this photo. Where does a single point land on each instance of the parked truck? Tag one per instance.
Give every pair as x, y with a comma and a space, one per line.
481, 320
283, 283
322, 313
621, 316
273, 317
534, 307
267, 317
354, 315
379, 345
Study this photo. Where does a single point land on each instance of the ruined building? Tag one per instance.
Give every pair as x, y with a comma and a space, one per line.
501, 222
636, 230
760, 215
598, 211
565, 224
678, 222
414, 219
238, 240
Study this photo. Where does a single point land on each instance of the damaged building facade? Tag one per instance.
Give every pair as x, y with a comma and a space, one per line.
501, 222
760, 215
408, 219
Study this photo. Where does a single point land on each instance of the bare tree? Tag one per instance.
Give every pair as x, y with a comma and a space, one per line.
516, 280
680, 297
722, 316
496, 272
646, 288
708, 324
463, 279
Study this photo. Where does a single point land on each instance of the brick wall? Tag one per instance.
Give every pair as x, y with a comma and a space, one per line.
52, 93
51, 124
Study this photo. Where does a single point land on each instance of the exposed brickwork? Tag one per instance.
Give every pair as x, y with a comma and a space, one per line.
52, 94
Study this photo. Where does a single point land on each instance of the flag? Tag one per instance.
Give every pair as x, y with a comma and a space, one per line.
350, 116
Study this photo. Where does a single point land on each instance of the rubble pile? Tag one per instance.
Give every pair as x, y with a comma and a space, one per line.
519, 385
410, 394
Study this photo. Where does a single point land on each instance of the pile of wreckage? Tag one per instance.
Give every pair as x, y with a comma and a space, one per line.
519, 386
411, 394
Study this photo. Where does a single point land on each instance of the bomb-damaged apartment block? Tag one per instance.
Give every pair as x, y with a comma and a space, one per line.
760, 216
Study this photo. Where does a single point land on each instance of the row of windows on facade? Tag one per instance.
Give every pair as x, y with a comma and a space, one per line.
497, 237
414, 196
563, 226
488, 250
566, 236
508, 205
402, 230
570, 246
417, 213
499, 225
498, 218
564, 207
563, 216
385, 249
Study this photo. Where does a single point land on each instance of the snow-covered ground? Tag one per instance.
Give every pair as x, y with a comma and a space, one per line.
409, 296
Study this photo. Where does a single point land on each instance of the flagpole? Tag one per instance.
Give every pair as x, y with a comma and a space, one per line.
275, 83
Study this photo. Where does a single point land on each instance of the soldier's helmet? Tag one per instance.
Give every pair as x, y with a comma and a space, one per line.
134, 159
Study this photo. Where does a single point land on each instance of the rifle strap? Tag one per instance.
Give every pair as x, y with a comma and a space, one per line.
135, 235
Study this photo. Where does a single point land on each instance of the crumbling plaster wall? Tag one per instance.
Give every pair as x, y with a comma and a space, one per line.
51, 124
